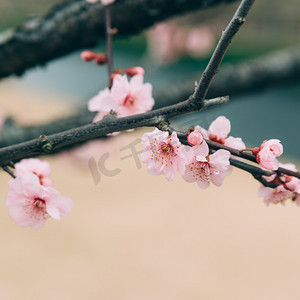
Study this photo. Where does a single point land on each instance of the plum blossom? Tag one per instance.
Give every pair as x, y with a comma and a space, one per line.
288, 187
205, 168
31, 204
126, 98
218, 131
164, 153
33, 165
104, 2
267, 153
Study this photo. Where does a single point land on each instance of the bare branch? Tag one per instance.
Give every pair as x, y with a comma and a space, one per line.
219, 53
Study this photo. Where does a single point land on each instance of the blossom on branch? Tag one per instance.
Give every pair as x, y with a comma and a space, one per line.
31, 204
205, 168
288, 187
164, 153
218, 132
125, 98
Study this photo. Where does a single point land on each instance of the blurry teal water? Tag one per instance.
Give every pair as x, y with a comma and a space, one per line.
264, 114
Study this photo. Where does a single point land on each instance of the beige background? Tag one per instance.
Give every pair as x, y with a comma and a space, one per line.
139, 237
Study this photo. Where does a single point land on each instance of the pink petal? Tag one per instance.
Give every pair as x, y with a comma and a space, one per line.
220, 127
235, 143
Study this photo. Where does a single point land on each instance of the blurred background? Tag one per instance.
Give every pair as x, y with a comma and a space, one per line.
135, 236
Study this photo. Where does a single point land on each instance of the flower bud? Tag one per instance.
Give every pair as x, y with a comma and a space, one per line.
195, 138
87, 55
135, 71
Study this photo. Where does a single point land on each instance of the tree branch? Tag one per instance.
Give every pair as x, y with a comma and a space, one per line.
272, 69
47, 144
77, 24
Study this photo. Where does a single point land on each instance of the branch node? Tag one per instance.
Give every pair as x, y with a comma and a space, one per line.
46, 143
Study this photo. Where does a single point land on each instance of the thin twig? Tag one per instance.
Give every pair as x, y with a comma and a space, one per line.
216, 59
109, 37
10, 172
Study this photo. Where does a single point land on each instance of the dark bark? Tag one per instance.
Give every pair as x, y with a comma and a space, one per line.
77, 24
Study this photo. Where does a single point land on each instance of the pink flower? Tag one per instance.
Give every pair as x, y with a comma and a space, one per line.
290, 183
218, 131
275, 196
104, 2
164, 153
195, 138
126, 98
31, 204
267, 154
206, 168
33, 165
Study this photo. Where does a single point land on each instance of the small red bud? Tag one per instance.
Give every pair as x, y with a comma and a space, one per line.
100, 59
135, 71
87, 55
195, 138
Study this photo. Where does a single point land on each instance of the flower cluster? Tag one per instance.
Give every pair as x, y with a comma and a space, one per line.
288, 187
31, 197
165, 154
125, 98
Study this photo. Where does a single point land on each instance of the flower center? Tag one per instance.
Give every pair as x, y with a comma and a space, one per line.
129, 100
166, 149
39, 204
201, 171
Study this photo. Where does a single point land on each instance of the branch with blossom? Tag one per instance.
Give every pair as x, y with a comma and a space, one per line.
126, 104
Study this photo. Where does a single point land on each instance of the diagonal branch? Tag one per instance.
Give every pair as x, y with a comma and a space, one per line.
47, 144
219, 53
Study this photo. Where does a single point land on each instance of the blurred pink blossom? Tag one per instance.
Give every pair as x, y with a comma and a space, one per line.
167, 42
33, 165
274, 195
104, 2
126, 98
31, 204
164, 153
206, 168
